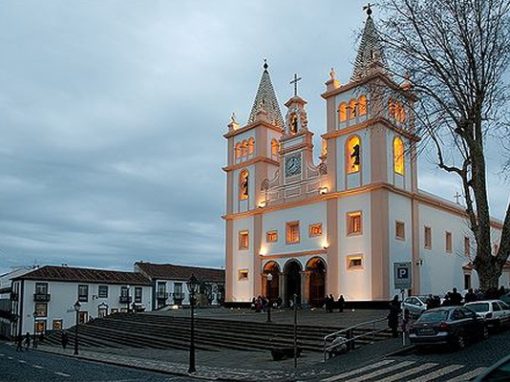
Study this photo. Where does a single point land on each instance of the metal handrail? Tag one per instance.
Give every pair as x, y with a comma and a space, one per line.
351, 338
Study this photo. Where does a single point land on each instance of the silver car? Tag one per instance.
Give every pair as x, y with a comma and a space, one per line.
416, 305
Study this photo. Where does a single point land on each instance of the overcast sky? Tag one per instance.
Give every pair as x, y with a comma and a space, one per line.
112, 115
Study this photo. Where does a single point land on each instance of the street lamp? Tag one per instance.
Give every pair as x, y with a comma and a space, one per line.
128, 298
269, 279
192, 285
77, 307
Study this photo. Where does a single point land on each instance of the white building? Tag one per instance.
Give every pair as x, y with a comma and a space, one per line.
44, 298
169, 284
338, 227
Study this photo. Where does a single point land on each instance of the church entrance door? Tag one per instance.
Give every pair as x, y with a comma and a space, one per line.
292, 282
317, 286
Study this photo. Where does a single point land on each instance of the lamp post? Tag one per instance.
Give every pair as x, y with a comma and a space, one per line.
269, 279
35, 323
192, 285
128, 298
77, 307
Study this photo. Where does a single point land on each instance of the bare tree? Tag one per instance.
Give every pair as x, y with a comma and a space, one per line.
455, 54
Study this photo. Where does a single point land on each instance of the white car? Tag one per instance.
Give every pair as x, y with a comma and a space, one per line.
416, 305
495, 312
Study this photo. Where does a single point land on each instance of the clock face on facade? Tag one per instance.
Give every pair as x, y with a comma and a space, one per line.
293, 165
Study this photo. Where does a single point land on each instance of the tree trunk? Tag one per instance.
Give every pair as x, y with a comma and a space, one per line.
488, 272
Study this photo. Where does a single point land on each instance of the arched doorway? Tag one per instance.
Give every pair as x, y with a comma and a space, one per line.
292, 273
317, 279
272, 286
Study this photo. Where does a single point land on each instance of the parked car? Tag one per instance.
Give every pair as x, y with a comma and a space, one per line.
451, 325
416, 305
495, 312
500, 371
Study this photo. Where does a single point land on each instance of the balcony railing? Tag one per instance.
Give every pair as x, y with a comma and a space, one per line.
161, 295
125, 299
41, 297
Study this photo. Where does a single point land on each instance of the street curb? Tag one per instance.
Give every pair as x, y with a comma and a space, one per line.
402, 351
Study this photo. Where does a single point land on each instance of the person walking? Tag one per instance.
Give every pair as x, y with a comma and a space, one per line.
393, 316
64, 339
27, 341
341, 303
19, 343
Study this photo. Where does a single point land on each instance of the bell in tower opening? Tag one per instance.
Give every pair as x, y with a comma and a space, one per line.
294, 123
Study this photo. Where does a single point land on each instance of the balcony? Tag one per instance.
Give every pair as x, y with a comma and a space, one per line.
125, 299
161, 295
14, 296
41, 297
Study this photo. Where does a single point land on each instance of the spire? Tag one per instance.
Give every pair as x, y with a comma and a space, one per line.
370, 54
266, 100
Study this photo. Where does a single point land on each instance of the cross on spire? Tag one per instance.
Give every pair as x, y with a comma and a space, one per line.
295, 82
368, 8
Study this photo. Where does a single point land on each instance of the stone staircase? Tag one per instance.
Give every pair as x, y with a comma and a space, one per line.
163, 332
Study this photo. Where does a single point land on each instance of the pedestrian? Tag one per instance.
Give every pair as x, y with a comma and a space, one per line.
41, 337
393, 316
331, 303
341, 303
27, 341
64, 339
34, 343
19, 342
470, 296
455, 297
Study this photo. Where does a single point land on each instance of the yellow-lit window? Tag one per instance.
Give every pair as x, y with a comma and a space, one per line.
448, 242
244, 240
467, 247
398, 156
251, 146
315, 229
293, 233
353, 109
400, 230
354, 223
428, 238
238, 150
362, 105
342, 112
354, 262
272, 236
242, 274
353, 154
244, 178
275, 147
244, 148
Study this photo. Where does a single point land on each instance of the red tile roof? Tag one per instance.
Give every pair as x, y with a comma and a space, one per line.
54, 273
180, 272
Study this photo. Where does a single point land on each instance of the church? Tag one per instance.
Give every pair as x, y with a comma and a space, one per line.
340, 226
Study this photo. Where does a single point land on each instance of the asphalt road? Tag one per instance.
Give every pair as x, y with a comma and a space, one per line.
41, 367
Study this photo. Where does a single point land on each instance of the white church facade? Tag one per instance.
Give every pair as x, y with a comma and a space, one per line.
339, 226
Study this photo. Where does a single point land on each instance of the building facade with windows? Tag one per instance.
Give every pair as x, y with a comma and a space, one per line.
169, 284
44, 298
338, 226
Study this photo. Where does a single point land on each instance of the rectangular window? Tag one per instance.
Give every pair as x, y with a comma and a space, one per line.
448, 242
102, 291
244, 240
161, 287
41, 288
293, 232
83, 317
57, 325
124, 291
354, 223
315, 229
83, 293
428, 238
467, 247
271, 236
40, 326
400, 230
354, 262
41, 309
243, 274
138, 294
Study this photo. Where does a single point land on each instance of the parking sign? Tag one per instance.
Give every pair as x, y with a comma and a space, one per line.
402, 275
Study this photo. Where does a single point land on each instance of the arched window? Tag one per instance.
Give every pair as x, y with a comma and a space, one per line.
398, 156
238, 150
275, 147
353, 109
362, 105
244, 179
244, 148
342, 112
251, 146
353, 155
396, 111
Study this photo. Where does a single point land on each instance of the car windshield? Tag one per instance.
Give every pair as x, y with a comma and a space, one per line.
479, 307
434, 316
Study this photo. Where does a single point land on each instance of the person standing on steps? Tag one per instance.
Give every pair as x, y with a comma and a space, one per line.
341, 303
393, 316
